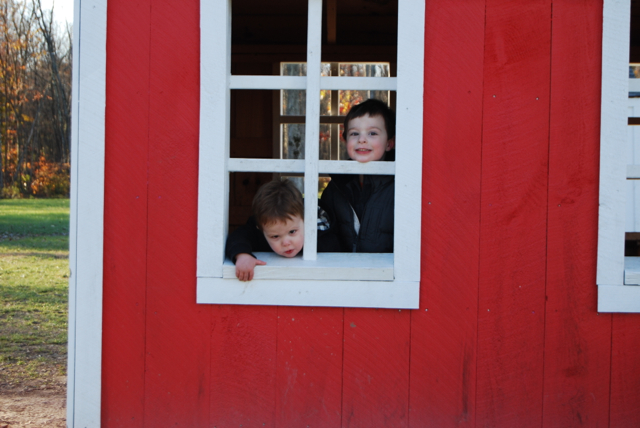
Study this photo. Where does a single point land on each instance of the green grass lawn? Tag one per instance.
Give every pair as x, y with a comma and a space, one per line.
34, 275
33, 217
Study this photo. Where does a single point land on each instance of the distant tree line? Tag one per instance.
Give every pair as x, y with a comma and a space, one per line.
35, 108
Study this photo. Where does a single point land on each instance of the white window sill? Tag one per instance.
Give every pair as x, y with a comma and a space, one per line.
622, 297
335, 279
328, 266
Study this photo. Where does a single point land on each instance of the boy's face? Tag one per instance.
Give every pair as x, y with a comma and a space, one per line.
367, 139
285, 238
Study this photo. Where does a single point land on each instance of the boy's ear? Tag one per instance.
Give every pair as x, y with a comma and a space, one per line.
391, 143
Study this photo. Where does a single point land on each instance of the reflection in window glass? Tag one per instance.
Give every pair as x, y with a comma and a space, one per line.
323, 182
294, 100
293, 141
332, 103
350, 98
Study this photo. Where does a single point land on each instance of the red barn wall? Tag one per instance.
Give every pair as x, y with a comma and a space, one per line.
507, 333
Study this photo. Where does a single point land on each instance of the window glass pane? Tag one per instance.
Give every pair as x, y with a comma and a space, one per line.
293, 141
264, 28
350, 98
342, 146
251, 124
294, 100
323, 182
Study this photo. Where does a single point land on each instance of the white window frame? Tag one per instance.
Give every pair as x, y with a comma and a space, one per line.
272, 284
613, 294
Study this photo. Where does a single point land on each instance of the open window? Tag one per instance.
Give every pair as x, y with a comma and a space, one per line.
617, 277
248, 66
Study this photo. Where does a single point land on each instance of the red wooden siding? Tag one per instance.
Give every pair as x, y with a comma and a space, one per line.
125, 219
507, 333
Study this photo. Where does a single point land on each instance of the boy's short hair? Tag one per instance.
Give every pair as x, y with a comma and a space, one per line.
372, 107
277, 201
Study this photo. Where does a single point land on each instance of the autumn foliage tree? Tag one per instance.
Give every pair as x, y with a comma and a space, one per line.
35, 88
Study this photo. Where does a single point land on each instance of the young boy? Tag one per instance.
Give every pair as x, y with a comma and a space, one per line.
277, 225
362, 206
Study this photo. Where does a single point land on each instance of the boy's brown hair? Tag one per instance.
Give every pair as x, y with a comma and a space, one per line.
277, 201
372, 107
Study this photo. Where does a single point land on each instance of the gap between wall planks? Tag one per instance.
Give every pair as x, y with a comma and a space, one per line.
577, 340
513, 213
444, 329
125, 224
178, 330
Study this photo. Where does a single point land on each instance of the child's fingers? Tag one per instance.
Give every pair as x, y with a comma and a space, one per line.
260, 262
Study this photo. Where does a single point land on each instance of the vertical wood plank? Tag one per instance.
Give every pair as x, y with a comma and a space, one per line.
178, 330
625, 372
444, 329
513, 213
125, 225
309, 368
376, 368
577, 339
243, 366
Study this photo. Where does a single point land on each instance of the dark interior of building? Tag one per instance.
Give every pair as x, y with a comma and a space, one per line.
266, 34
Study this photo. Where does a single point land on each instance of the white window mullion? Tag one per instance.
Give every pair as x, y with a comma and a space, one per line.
335, 83
312, 129
268, 82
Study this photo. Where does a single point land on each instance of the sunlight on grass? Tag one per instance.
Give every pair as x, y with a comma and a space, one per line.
34, 276
28, 217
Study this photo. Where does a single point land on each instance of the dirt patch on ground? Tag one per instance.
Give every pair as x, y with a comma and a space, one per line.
32, 397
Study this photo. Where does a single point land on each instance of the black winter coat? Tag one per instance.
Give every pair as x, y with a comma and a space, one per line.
373, 203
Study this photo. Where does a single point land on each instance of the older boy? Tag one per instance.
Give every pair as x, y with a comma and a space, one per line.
362, 206
277, 225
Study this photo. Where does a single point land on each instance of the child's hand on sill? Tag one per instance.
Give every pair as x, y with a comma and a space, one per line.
245, 263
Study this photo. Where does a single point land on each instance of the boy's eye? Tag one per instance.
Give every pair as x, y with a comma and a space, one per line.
373, 133
291, 232
274, 237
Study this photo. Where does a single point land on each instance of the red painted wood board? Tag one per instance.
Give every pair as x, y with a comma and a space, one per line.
178, 329
513, 214
625, 371
309, 367
243, 366
125, 214
444, 329
375, 388
577, 345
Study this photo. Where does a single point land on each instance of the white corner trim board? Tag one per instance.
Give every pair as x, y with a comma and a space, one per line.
87, 209
613, 294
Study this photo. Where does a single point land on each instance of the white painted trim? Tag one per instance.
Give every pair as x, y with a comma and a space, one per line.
300, 82
359, 83
213, 179
403, 291
328, 266
633, 172
616, 298
87, 213
409, 138
613, 163
632, 271
297, 166
312, 126
359, 294
267, 82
